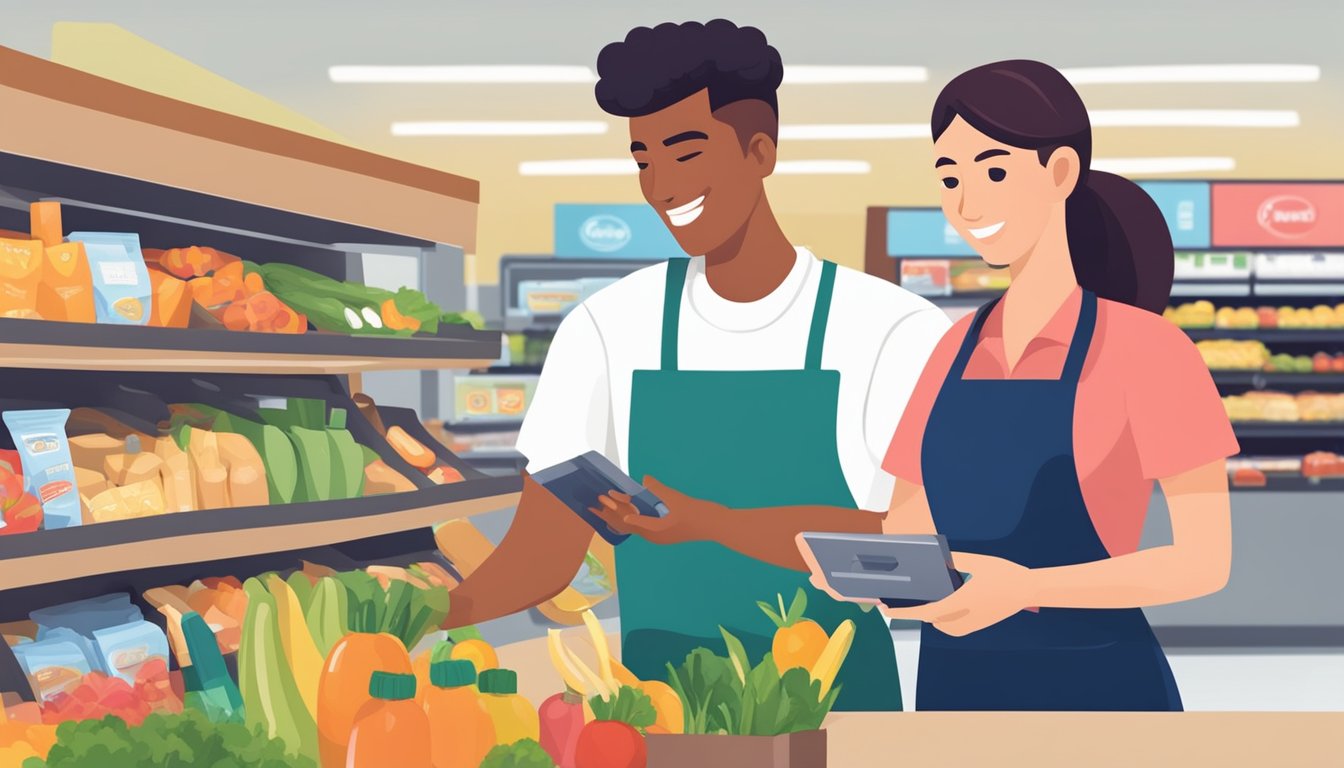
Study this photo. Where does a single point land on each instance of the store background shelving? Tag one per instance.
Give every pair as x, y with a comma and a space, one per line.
1291, 518
268, 197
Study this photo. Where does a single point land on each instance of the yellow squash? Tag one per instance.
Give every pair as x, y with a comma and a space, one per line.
833, 656
304, 659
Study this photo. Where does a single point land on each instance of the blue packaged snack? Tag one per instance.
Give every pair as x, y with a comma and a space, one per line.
82, 642
126, 648
121, 284
52, 666
48, 473
85, 616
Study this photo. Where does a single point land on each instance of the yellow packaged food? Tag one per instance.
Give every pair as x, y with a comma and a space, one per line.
131, 468
210, 476
247, 474
89, 451
136, 500
511, 400
20, 273
175, 475
65, 292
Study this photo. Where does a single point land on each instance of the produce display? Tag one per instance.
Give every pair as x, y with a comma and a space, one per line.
1283, 407
107, 277
520, 754
1256, 471
1202, 314
201, 457
185, 740
1232, 355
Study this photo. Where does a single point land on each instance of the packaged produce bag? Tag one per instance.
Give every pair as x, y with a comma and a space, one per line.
20, 273
45, 223
48, 470
120, 279
66, 290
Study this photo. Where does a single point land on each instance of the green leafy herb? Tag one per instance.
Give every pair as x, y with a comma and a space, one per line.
727, 695
525, 753
627, 705
188, 740
402, 609
786, 617
710, 692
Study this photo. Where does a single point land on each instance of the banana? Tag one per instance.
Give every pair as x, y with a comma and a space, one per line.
603, 649
833, 655
304, 659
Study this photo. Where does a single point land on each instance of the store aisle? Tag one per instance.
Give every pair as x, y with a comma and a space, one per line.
1297, 682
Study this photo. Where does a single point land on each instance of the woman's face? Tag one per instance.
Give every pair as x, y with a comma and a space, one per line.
999, 198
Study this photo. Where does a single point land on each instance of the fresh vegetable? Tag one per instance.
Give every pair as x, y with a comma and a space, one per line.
798, 642
833, 655
193, 261
729, 695
562, 720
327, 614
524, 753
615, 738
186, 740
297, 641
332, 305
271, 699
411, 450
478, 652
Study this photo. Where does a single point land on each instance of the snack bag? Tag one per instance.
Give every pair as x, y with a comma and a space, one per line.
120, 279
48, 470
20, 273
66, 290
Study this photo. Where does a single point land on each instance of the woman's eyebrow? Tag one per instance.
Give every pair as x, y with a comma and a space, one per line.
990, 153
944, 161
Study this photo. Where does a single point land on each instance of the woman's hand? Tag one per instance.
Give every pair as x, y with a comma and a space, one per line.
687, 519
997, 589
818, 578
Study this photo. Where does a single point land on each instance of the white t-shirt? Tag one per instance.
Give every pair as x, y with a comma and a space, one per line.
878, 337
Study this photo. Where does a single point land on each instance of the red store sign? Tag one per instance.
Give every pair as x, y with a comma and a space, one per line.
1284, 215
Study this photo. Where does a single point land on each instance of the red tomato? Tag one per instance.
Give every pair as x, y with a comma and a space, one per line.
607, 744
11, 488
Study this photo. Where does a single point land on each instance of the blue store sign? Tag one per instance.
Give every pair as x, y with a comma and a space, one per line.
923, 233
1185, 206
616, 231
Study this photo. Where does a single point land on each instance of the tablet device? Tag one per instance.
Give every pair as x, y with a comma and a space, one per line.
581, 480
900, 571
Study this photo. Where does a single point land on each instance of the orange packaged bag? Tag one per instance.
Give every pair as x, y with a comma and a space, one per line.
65, 292
170, 300
45, 223
20, 273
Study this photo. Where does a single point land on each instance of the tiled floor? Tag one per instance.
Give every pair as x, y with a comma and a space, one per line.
1216, 681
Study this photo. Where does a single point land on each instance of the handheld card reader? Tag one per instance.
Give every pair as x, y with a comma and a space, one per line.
900, 571
580, 481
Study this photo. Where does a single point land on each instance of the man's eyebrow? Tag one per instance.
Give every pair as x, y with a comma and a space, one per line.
990, 153
637, 146
944, 161
683, 136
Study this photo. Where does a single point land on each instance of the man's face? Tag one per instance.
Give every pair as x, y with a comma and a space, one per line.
694, 172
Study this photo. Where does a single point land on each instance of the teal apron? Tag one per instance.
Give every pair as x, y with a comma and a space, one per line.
745, 439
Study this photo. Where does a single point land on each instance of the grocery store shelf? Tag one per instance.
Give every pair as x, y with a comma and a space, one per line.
485, 424
1269, 335
1298, 288
1288, 429
1261, 380
1295, 483
166, 540
92, 347
1211, 288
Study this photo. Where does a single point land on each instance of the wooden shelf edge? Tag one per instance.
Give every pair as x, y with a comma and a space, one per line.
25, 571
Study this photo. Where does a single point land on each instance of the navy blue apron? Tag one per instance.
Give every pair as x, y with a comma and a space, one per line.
999, 472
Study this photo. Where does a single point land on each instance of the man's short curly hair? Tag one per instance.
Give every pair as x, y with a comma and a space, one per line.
652, 69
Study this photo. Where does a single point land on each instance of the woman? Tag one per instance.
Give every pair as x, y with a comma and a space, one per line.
1041, 422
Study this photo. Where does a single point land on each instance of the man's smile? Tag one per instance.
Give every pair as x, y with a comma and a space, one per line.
685, 214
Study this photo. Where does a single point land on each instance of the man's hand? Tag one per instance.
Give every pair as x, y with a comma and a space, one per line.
997, 589
688, 518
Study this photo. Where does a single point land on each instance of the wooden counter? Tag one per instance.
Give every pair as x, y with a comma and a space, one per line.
1037, 739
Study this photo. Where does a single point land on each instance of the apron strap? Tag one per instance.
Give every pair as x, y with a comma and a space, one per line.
1082, 339
676, 284
972, 338
821, 313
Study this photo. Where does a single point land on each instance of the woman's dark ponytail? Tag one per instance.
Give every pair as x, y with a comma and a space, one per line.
1119, 242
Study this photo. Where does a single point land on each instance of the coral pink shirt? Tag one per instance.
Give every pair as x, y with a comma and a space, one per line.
1146, 408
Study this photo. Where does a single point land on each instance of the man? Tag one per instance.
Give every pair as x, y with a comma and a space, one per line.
753, 374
